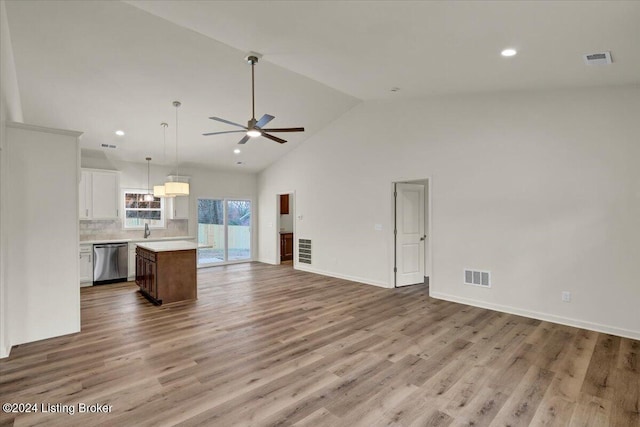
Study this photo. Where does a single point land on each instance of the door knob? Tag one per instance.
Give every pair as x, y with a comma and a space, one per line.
423, 237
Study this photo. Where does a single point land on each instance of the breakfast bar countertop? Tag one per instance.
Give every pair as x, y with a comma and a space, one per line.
136, 240
177, 245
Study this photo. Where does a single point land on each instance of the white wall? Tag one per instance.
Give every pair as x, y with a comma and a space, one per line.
10, 110
42, 233
541, 188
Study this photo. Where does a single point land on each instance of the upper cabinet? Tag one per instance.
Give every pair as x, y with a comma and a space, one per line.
178, 207
284, 204
85, 195
99, 194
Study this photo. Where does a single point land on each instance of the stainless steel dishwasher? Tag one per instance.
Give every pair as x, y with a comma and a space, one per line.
110, 263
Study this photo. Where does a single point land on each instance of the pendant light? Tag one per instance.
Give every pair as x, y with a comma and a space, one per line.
148, 197
176, 188
159, 190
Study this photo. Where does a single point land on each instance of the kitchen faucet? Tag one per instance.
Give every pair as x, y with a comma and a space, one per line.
147, 232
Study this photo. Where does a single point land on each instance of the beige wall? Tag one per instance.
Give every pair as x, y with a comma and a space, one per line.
540, 188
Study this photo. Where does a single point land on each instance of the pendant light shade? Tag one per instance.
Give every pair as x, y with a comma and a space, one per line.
175, 188
159, 191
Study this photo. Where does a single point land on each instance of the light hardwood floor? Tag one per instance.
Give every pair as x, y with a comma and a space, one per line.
268, 345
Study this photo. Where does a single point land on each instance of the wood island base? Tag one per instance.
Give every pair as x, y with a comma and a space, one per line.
165, 275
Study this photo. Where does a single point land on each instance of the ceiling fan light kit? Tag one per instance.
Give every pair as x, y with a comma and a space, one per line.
254, 127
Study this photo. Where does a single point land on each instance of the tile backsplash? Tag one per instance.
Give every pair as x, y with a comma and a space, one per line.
112, 230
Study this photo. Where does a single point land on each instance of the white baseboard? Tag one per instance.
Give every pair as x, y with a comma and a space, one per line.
4, 352
267, 261
627, 333
341, 276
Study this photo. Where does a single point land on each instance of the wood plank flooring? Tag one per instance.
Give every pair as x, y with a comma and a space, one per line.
270, 346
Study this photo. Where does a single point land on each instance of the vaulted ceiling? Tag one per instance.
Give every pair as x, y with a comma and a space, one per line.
100, 66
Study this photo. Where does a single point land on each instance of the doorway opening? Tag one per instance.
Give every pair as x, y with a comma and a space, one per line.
285, 205
411, 232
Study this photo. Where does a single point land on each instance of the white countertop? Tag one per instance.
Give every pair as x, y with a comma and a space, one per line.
150, 239
178, 245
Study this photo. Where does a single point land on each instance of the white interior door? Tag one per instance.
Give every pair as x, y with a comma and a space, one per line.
410, 235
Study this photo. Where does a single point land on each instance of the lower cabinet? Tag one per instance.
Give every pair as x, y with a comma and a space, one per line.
86, 265
286, 246
146, 270
132, 262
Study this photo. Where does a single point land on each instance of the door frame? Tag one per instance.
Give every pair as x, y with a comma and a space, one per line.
428, 217
291, 193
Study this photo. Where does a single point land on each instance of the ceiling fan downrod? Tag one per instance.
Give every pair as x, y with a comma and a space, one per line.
253, 60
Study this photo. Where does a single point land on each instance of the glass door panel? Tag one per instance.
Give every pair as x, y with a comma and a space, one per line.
211, 231
224, 231
239, 229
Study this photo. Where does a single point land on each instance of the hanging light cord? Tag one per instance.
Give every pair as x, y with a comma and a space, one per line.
177, 104
164, 137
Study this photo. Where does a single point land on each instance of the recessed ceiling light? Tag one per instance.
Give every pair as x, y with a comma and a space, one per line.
120, 132
508, 52
237, 151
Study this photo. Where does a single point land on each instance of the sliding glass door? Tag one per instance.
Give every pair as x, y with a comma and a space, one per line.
224, 230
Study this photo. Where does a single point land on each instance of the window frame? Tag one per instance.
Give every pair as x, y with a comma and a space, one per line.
141, 192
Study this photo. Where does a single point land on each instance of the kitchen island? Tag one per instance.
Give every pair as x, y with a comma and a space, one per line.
166, 271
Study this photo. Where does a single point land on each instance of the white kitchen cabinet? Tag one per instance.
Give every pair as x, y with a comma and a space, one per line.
132, 261
105, 189
99, 196
85, 195
86, 265
178, 207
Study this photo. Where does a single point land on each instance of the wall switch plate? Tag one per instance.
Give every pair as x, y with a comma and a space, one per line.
377, 227
566, 296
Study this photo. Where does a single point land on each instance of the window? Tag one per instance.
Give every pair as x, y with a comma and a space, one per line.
137, 212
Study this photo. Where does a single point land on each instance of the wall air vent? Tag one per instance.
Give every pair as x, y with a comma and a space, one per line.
304, 251
600, 58
108, 146
477, 278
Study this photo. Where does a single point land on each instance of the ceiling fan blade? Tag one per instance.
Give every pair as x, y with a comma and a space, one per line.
227, 122
274, 138
264, 120
220, 133
244, 139
284, 130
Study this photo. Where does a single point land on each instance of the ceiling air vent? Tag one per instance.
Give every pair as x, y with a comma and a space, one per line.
108, 146
601, 58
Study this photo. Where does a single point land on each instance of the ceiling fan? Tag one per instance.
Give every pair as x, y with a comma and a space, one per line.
254, 127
